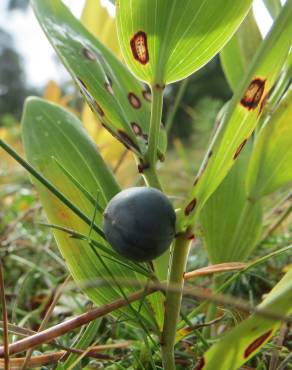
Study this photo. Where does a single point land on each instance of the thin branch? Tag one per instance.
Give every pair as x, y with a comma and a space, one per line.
198, 326
50, 334
74, 323
5, 319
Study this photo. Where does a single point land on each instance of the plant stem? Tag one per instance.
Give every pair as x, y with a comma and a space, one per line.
53, 332
156, 113
173, 299
149, 172
152, 179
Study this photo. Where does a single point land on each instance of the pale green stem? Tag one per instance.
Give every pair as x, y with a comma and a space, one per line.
180, 252
156, 113
151, 178
150, 159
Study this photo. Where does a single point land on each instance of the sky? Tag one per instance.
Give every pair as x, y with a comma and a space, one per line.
40, 61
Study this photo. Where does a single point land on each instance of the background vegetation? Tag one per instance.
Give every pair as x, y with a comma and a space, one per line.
34, 270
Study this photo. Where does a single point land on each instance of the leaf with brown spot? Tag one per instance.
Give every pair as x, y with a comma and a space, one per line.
257, 343
100, 75
126, 140
97, 108
230, 230
270, 166
109, 85
230, 352
134, 100
253, 94
51, 134
237, 122
147, 95
139, 47
190, 207
137, 129
239, 149
164, 41
89, 54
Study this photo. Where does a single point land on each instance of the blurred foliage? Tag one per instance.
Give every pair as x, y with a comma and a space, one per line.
209, 82
13, 88
32, 263
17, 4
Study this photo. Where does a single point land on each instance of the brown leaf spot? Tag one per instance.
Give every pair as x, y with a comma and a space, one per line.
127, 141
196, 180
253, 94
209, 155
134, 100
82, 83
160, 156
89, 54
239, 149
137, 129
256, 344
139, 47
142, 166
84, 90
159, 87
191, 236
207, 161
200, 365
109, 85
110, 131
147, 95
97, 108
190, 207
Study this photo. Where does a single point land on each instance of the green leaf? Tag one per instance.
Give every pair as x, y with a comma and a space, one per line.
270, 166
52, 137
164, 41
116, 97
231, 224
237, 55
83, 342
241, 116
246, 339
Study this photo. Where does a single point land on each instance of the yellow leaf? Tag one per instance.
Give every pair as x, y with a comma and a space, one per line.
52, 92
111, 150
99, 22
